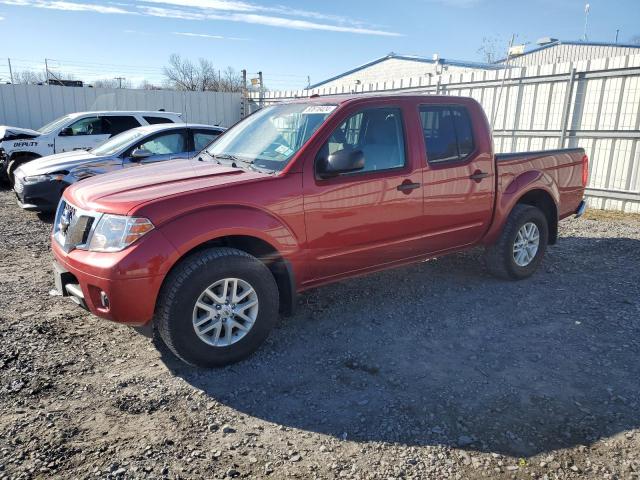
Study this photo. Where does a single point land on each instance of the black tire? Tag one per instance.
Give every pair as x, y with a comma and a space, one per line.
499, 257
183, 287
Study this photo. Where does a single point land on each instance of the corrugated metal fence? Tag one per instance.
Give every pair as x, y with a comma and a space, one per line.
32, 106
594, 104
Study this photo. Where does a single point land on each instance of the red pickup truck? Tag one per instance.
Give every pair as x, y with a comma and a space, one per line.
298, 195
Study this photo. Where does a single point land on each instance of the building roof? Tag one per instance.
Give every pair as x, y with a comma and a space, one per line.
412, 58
556, 42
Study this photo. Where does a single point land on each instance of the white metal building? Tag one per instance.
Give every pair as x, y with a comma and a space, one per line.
551, 50
385, 70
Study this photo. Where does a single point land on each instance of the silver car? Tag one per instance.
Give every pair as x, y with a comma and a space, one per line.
39, 184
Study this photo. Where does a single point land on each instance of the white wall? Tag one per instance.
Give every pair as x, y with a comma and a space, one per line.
32, 106
569, 53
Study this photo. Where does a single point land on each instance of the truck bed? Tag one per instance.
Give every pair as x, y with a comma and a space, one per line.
563, 169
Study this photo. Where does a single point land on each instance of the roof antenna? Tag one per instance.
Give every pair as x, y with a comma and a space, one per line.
504, 76
587, 8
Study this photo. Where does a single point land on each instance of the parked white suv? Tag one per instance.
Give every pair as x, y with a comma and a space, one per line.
75, 131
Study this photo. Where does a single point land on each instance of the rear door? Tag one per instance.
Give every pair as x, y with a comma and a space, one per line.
81, 134
370, 217
115, 124
202, 138
458, 175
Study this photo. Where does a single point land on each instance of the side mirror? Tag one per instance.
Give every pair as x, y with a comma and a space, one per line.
66, 132
342, 161
140, 154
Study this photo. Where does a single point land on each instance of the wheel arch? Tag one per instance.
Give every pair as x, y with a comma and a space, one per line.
264, 251
24, 154
542, 199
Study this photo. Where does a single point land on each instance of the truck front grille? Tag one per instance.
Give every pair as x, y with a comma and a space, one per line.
72, 226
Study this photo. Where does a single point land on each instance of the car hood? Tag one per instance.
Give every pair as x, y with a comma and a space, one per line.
119, 192
58, 162
15, 133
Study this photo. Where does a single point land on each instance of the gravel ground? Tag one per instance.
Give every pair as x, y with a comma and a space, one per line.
431, 371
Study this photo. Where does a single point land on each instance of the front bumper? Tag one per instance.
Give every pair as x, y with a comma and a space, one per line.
42, 196
104, 283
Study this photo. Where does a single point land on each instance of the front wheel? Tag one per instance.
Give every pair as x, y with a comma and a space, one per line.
521, 246
217, 307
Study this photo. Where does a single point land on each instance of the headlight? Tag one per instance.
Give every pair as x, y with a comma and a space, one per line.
116, 232
42, 178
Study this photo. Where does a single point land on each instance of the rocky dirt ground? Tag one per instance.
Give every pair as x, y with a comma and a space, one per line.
431, 371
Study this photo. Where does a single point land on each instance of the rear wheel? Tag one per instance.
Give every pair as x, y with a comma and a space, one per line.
521, 246
217, 307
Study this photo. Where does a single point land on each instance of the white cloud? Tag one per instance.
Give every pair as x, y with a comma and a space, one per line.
223, 10
300, 24
206, 35
68, 6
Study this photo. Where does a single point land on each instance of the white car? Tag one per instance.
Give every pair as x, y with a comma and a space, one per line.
75, 131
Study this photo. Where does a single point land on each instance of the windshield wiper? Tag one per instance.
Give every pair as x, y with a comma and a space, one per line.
237, 160
212, 157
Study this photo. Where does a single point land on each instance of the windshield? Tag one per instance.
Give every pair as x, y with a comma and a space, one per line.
57, 123
117, 143
271, 137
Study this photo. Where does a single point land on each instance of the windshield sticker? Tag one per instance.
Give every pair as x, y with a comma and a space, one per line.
284, 150
319, 109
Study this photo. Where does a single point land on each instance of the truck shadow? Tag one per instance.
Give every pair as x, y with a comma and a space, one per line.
441, 353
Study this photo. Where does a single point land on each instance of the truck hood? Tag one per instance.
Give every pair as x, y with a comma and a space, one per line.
57, 163
121, 191
15, 133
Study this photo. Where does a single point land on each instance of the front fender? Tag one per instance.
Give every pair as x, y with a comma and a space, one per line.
194, 229
514, 191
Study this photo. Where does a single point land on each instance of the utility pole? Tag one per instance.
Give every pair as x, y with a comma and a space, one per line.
120, 79
308, 81
617, 33
261, 89
10, 71
244, 93
46, 70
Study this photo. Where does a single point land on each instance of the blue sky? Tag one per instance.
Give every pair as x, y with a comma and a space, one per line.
286, 39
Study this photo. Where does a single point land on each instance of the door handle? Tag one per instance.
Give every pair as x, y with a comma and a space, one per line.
478, 176
407, 186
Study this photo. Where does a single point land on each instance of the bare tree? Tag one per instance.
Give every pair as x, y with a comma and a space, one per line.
489, 49
147, 85
183, 74
29, 77
111, 83
231, 81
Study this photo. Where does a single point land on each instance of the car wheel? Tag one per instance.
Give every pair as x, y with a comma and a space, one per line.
217, 307
521, 246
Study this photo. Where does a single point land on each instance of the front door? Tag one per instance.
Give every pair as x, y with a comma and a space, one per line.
370, 217
160, 147
83, 134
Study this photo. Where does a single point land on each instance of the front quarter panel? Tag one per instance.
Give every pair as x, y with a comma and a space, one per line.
271, 210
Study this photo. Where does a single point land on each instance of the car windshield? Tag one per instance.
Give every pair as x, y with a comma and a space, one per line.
117, 143
271, 137
57, 123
